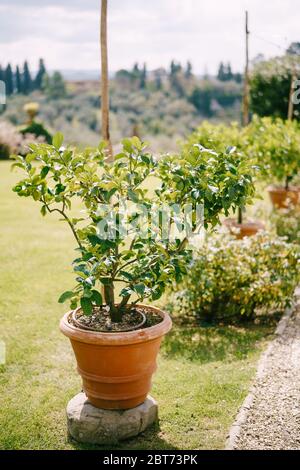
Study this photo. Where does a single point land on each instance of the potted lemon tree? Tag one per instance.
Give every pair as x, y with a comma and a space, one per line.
276, 144
122, 259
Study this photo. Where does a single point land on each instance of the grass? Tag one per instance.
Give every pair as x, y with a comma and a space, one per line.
203, 374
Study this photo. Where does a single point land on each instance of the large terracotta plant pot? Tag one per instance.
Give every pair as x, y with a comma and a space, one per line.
246, 229
116, 368
282, 197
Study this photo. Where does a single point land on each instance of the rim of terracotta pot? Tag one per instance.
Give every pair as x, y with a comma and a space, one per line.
246, 224
118, 338
281, 189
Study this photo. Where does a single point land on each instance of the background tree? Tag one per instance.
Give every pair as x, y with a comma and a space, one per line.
143, 78
18, 80
189, 70
221, 72
293, 49
26, 79
9, 81
54, 86
38, 81
270, 87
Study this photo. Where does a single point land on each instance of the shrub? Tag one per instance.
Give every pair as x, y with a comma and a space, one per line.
38, 130
237, 279
12, 141
286, 222
9, 140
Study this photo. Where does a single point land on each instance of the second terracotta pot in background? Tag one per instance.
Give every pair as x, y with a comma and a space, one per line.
281, 197
245, 229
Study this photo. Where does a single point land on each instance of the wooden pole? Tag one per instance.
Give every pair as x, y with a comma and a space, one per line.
246, 77
245, 117
104, 78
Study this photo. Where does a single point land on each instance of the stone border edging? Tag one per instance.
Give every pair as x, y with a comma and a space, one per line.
241, 417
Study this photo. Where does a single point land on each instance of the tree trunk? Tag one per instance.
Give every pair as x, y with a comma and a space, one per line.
104, 78
240, 215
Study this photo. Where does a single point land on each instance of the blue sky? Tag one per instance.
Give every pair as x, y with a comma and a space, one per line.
66, 32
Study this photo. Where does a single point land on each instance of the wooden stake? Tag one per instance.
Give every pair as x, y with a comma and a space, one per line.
104, 78
246, 78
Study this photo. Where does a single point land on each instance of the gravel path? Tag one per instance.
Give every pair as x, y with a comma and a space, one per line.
271, 413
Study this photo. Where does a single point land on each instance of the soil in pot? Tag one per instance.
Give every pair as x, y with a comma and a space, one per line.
117, 366
282, 198
133, 318
245, 229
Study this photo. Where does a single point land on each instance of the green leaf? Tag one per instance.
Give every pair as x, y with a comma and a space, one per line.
132, 196
57, 140
126, 291
105, 280
145, 159
30, 157
65, 296
86, 305
139, 289
97, 297
45, 172
94, 240
43, 210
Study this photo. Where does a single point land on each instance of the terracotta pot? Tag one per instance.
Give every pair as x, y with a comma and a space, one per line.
281, 197
246, 229
116, 368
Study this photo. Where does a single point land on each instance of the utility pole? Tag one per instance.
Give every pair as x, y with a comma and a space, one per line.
104, 78
291, 104
246, 77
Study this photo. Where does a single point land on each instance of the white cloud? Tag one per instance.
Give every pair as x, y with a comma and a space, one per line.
66, 33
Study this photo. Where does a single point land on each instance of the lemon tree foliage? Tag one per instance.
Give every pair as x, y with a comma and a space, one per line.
229, 138
144, 260
218, 137
232, 279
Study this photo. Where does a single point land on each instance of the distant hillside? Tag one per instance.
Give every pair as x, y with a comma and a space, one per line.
160, 106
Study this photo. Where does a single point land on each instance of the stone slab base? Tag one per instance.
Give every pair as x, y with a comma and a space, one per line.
92, 425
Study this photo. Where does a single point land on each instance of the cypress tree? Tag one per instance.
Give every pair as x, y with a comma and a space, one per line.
221, 72
8, 79
143, 77
189, 70
26, 82
18, 81
38, 81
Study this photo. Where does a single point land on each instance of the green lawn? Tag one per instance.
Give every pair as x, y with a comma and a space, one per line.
203, 374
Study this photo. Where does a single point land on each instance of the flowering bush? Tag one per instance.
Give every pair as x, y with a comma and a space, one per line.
231, 279
12, 141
